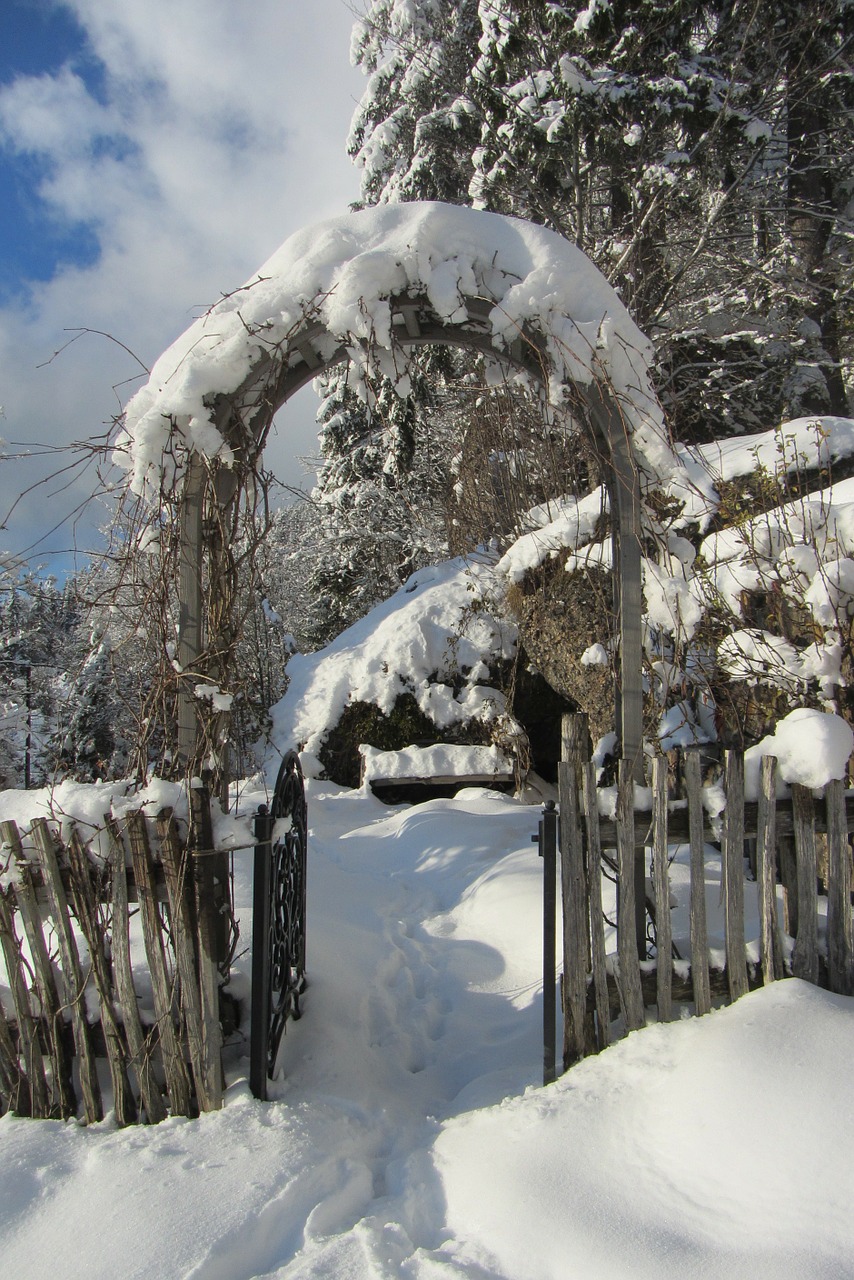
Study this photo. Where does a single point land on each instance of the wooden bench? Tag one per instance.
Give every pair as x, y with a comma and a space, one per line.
427, 773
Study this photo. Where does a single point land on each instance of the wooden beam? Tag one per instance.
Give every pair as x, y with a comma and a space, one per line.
623, 484
190, 630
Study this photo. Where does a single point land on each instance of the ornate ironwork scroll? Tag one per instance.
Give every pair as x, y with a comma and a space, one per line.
278, 929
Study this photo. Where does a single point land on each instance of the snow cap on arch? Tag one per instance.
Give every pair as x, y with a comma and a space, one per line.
343, 272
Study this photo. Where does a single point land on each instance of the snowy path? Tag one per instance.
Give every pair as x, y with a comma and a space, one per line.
411, 1018
405, 1142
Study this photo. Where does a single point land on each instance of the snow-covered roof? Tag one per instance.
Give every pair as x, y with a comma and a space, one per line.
336, 281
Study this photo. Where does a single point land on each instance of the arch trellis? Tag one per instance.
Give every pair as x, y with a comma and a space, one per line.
368, 288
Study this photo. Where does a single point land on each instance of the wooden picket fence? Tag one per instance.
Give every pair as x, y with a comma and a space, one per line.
65, 919
779, 842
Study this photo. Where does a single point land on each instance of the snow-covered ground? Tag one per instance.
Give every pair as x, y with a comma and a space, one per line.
409, 1136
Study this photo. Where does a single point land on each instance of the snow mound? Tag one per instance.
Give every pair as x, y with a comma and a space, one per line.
646, 1162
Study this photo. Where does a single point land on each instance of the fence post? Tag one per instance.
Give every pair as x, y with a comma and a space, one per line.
579, 1036
805, 954
699, 931
547, 841
770, 942
210, 877
732, 871
594, 894
261, 909
663, 928
629, 946
840, 945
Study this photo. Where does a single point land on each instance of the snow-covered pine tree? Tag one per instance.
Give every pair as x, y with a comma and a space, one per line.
413, 132
38, 620
701, 154
380, 496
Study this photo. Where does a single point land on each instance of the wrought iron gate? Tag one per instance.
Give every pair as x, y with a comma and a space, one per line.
278, 924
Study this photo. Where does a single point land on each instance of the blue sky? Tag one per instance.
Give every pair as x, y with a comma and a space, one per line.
39, 38
153, 153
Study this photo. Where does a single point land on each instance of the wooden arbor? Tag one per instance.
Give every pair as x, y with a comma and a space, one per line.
371, 287
253, 406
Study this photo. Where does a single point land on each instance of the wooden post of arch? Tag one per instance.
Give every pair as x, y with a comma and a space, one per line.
190, 638
624, 490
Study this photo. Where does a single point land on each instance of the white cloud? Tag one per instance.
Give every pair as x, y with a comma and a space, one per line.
219, 131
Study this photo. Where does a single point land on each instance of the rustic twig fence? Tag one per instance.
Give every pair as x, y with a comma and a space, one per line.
794, 838
65, 933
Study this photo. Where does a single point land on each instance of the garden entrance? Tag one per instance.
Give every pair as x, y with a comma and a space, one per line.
370, 288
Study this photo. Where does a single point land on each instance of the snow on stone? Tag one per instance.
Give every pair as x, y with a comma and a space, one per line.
342, 273
797, 444
568, 522
798, 543
800, 444
420, 641
670, 603
760, 658
595, 655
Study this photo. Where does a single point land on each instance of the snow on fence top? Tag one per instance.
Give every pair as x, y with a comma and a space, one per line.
340, 277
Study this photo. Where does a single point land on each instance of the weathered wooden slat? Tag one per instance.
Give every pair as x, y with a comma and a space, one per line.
309, 355
28, 1026
770, 941
15, 1093
627, 939
142, 1047
73, 982
547, 841
840, 946
177, 868
661, 879
788, 878
209, 896
576, 750
597, 923
164, 993
574, 897
576, 747
733, 874
64, 1101
699, 930
86, 910
805, 954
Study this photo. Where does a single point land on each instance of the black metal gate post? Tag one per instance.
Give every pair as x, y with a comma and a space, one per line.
261, 909
278, 924
547, 841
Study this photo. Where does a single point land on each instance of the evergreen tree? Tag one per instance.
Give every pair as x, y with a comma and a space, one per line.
380, 496
37, 622
701, 154
413, 132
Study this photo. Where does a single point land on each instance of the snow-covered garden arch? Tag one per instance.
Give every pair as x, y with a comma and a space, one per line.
367, 287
